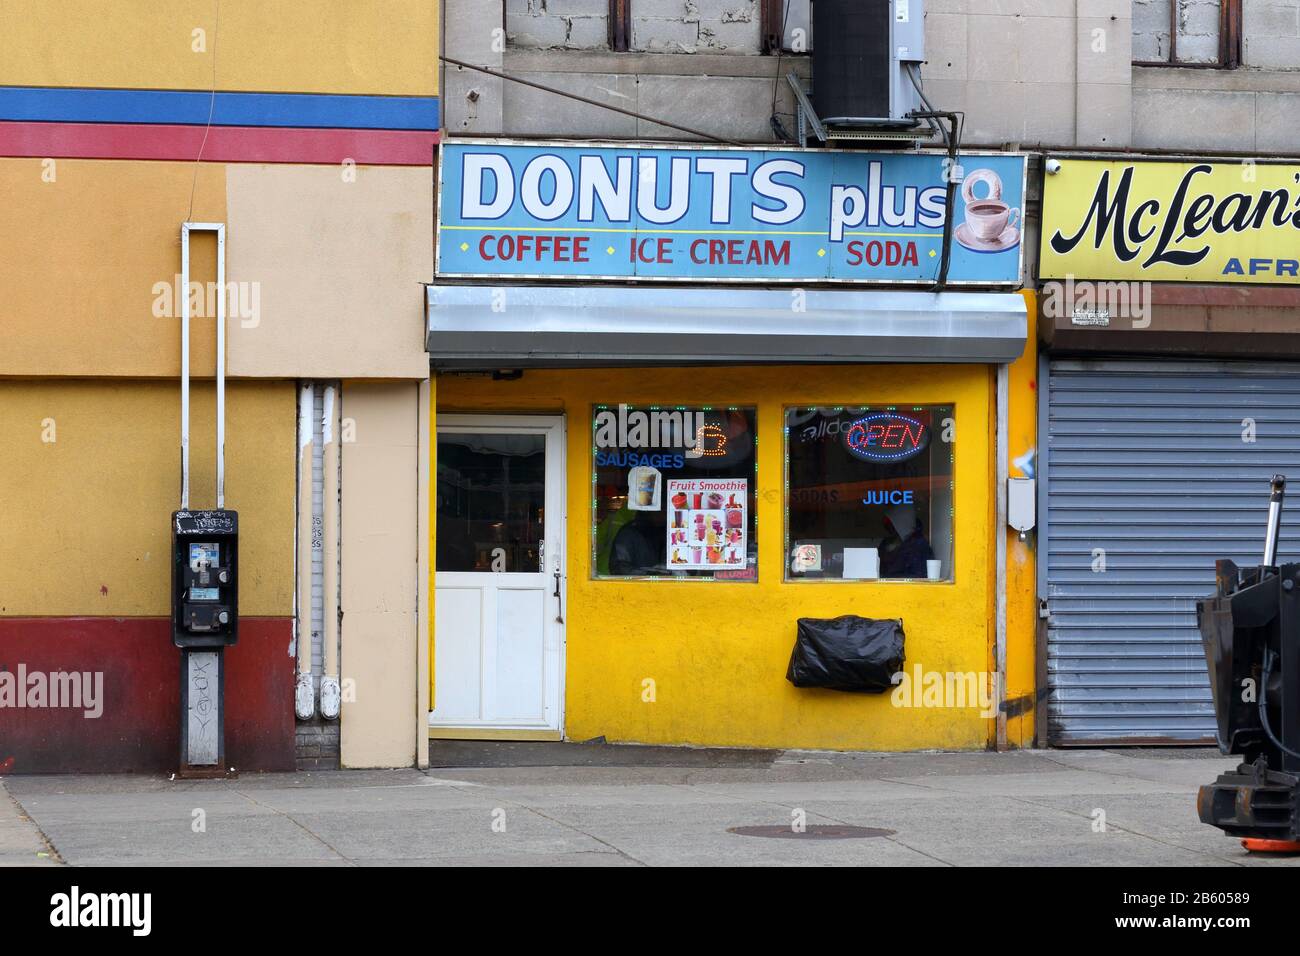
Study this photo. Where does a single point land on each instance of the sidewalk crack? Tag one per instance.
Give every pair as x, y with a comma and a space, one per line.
25, 817
300, 825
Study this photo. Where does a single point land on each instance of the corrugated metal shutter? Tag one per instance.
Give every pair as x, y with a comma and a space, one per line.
1150, 468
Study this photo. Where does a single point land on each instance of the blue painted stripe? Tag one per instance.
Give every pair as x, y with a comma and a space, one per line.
331, 111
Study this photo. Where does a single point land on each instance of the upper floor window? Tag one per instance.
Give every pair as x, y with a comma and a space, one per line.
1202, 33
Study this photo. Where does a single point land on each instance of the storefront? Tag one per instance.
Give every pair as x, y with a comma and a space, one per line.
1172, 396
315, 138
639, 488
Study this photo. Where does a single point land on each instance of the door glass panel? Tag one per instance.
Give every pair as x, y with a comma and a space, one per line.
491, 501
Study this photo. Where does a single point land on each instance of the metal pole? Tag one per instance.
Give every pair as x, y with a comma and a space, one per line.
220, 229
221, 366
1277, 491
185, 366
1001, 470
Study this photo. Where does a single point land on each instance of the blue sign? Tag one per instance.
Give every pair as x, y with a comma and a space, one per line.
551, 211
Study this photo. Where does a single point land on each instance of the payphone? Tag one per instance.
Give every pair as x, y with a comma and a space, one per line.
205, 579
205, 560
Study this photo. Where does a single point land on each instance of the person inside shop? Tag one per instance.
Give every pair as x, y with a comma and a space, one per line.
906, 549
625, 542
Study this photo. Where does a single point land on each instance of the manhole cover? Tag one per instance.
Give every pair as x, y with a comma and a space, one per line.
828, 832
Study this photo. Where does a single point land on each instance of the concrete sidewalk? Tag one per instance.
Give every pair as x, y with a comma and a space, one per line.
1041, 807
21, 841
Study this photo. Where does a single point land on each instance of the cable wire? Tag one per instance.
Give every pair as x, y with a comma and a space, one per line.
778, 128
590, 102
952, 140
1269, 658
212, 104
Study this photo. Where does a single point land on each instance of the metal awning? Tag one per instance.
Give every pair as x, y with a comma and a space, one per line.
492, 327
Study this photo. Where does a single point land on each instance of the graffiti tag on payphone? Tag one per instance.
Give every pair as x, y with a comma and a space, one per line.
221, 522
203, 714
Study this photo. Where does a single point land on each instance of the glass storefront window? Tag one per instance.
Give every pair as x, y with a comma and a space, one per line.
674, 492
869, 492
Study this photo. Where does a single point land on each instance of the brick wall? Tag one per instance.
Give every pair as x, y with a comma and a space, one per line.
317, 744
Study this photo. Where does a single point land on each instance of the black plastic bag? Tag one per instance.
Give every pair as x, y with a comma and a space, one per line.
846, 653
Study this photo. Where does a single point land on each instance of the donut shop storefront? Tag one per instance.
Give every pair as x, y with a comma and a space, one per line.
684, 397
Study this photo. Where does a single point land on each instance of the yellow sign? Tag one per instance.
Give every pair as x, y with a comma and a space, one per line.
1171, 222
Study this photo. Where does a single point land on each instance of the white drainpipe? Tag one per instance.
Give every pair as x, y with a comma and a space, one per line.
330, 692
304, 698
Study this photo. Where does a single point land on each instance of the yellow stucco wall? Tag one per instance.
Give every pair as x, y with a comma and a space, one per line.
281, 46
718, 651
332, 262
83, 251
1022, 585
91, 474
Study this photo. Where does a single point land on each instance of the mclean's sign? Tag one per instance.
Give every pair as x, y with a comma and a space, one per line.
1172, 221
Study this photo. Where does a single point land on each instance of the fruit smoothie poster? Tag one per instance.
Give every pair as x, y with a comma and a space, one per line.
707, 522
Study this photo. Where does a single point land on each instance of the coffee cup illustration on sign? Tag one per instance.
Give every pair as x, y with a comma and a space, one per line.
991, 225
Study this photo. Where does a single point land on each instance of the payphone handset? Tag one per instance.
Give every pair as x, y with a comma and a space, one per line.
205, 578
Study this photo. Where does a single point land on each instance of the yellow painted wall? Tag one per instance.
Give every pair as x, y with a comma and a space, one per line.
335, 265
85, 517
1022, 584
718, 651
283, 46
82, 253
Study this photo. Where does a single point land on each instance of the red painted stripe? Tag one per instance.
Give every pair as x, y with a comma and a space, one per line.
138, 729
225, 144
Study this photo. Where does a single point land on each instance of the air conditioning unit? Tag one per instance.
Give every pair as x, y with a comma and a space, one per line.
860, 57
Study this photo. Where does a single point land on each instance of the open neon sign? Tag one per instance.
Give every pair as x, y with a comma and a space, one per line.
886, 437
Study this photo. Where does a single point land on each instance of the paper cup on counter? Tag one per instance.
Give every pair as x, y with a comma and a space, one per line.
934, 570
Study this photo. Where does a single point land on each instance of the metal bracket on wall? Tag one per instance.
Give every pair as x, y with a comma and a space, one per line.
804, 112
807, 120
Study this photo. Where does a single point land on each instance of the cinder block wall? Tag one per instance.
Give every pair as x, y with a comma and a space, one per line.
1049, 74
1197, 30
1246, 110
658, 26
1271, 34
696, 26
558, 24
696, 63
1025, 72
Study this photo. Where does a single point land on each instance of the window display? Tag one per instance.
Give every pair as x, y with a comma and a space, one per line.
869, 492
673, 491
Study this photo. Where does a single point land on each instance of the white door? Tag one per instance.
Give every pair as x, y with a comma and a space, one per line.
499, 575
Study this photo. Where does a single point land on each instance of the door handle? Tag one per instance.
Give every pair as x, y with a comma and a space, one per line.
559, 615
